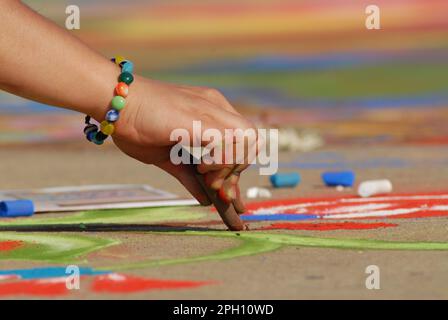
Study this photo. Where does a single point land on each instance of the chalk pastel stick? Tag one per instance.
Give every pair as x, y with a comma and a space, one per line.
16, 208
226, 210
338, 178
285, 180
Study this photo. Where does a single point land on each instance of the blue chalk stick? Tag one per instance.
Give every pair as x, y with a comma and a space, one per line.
339, 178
16, 208
282, 180
278, 217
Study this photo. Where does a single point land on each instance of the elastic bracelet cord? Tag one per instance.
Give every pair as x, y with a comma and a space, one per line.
107, 127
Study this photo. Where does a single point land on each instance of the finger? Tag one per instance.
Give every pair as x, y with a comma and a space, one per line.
227, 192
223, 163
204, 168
238, 203
215, 179
187, 177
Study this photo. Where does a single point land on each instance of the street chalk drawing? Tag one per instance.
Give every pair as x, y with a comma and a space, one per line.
51, 281
119, 283
141, 215
10, 245
392, 206
253, 243
52, 247
327, 226
338, 213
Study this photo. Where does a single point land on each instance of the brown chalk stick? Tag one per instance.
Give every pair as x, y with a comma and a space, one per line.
226, 210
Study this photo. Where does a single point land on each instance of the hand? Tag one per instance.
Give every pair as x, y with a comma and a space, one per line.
154, 109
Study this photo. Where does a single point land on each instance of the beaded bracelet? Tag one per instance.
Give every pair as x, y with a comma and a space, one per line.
118, 102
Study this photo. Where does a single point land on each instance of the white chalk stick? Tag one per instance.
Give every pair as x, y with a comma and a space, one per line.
373, 187
256, 192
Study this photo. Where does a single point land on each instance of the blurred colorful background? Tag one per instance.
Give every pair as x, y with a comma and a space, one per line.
309, 65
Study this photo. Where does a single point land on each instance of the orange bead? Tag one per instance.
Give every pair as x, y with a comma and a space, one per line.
122, 89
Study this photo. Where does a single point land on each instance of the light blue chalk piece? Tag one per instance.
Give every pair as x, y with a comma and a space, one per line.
278, 217
283, 180
16, 208
339, 178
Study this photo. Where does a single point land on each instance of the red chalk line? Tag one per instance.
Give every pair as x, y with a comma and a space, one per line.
327, 226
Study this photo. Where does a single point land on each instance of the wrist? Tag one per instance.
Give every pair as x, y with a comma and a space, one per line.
106, 82
108, 113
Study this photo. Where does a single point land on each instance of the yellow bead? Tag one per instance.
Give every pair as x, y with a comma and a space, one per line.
119, 59
107, 128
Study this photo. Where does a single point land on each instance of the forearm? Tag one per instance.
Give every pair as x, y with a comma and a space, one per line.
42, 62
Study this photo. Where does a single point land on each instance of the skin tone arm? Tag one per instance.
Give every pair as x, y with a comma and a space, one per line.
45, 63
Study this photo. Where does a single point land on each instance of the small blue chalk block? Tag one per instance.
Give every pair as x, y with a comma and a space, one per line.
283, 180
16, 208
339, 178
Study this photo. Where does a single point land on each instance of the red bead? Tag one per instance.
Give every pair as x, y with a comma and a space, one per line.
122, 89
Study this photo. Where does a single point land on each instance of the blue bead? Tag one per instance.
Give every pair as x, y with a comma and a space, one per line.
280, 180
91, 135
339, 178
112, 115
127, 66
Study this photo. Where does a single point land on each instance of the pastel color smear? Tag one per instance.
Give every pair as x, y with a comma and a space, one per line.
271, 217
252, 243
118, 283
383, 207
142, 215
51, 281
48, 272
10, 245
328, 226
33, 288
52, 247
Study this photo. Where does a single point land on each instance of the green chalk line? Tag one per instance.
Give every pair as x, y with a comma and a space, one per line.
246, 248
256, 243
390, 79
146, 215
67, 248
52, 247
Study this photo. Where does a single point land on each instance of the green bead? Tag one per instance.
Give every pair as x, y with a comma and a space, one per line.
126, 77
118, 103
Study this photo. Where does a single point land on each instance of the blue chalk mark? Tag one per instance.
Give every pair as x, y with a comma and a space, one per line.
48, 272
335, 161
277, 217
315, 62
